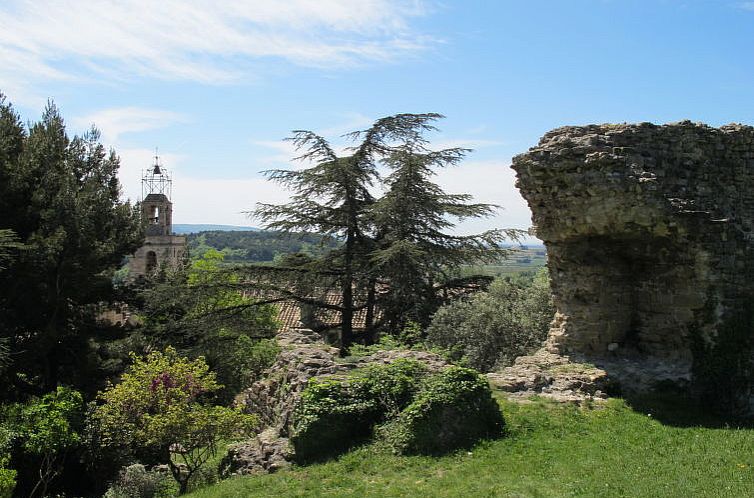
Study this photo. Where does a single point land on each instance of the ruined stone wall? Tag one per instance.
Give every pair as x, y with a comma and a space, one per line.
649, 231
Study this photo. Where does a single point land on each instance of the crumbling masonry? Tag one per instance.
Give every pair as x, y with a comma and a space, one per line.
650, 236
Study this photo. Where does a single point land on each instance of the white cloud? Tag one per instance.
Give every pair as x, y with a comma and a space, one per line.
114, 122
222, 200
464, 143
198, 40
284, 152
490, 182
746, 5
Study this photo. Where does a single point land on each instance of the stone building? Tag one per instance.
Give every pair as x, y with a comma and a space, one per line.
161, 245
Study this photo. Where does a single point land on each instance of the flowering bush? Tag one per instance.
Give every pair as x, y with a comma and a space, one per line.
161, 407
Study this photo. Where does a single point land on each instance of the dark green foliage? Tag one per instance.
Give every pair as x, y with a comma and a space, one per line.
200, 311
336, 413
492, 328
415, 253
61, 197
248, 359
454, 409
422, 412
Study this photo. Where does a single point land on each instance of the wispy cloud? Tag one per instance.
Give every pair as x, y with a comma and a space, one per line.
746, 5
205, 41
464, 143
115, 122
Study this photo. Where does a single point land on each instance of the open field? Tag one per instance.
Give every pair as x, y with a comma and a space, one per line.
550, 451
521, 260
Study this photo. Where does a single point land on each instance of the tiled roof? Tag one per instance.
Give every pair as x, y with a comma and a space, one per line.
289, 311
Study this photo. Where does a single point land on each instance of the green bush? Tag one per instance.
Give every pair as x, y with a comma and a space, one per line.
422, 413
332, 416
135, 481
7, 476
7, 482
336, 413
453, 410
491, 329
159, 407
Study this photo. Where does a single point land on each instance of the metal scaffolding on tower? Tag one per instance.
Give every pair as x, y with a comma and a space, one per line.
156, 180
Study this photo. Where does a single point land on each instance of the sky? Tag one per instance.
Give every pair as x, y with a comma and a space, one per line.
217, 85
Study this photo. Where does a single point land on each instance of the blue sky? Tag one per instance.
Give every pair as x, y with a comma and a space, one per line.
216, 85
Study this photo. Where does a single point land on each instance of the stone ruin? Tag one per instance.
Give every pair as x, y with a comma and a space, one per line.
649, 233
275, 396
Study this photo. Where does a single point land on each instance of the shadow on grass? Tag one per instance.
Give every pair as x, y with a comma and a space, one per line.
676, 409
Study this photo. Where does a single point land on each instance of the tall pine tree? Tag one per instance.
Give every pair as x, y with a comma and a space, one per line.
61, 197
417, 256
332, 197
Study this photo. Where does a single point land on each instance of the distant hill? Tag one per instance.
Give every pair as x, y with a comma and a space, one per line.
254, 246
196, 228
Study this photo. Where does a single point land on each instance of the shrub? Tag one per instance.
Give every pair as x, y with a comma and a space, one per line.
454, 409
7, 482
135, 481
160, 407
422, 413
45, 429
7, 476
252, 357
332, 416
336, 413
492, 328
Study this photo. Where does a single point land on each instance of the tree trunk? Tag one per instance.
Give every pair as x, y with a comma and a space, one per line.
346, 327
371, 296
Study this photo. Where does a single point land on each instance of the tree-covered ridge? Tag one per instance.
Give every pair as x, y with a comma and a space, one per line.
257, 246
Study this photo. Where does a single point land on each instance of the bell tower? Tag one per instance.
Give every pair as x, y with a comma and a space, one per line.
156, 208
161, 247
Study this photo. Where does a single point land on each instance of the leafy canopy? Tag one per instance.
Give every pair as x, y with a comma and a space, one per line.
162, 405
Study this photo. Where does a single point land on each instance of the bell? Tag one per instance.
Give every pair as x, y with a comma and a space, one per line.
156, 170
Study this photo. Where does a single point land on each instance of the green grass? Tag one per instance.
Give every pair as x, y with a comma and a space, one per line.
550, 451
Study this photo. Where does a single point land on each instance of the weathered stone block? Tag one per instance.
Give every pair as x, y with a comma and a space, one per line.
648, 230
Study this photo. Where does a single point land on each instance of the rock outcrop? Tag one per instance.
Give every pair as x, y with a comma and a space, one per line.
552, 376
649, 232
274, 398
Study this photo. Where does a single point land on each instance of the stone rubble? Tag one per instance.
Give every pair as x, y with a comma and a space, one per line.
551, 376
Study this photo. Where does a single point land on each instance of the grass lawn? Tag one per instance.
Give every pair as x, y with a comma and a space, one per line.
549, 451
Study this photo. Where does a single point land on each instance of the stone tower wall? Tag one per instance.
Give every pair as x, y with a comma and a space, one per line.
161, 247
649, 231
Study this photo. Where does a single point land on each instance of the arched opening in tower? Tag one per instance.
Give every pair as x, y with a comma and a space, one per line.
154, 215
151, 262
